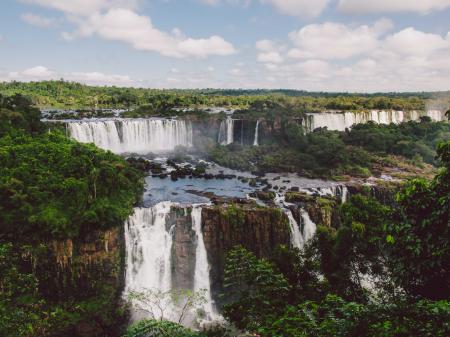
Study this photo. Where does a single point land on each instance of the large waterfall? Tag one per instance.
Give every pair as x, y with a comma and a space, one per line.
149, 240
226, 132
140, 136
148, 250
341, 121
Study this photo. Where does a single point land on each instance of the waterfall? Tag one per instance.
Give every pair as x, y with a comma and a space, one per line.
201, 274
436, 115
255, 142
149, 254
296, 236
341, 121
140, 136
344, 194
148, 245
226, 132
309, 227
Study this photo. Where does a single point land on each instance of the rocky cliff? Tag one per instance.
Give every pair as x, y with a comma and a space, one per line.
84, 277
259, 229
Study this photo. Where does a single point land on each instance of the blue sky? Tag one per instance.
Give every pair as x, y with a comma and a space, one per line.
329, 45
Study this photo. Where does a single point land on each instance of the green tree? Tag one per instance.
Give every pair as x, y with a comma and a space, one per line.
255, 290
420, 249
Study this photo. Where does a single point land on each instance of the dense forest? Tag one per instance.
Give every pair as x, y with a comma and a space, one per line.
52, 188
63, 94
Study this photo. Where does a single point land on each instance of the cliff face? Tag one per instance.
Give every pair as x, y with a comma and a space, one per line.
183, 248
259, 229
82, 271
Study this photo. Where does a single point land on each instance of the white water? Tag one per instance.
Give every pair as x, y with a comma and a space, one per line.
341, 121
140, 136
201, 274
309, 227
255, 142
148, 250
296, 236
148, 242
226, 132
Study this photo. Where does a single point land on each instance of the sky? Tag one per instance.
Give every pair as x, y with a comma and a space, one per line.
315, 45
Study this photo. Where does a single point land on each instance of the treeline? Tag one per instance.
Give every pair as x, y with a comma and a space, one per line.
53, 189
62, 94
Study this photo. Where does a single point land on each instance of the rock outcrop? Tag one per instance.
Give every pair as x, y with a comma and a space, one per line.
183, 248
259, 229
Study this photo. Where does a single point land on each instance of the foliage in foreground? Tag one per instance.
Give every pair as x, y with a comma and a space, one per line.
382, 272
158, 328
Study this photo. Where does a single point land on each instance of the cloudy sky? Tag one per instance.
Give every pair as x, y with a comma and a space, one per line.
329, 45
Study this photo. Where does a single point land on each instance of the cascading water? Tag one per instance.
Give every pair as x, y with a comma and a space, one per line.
255, 142
341, 121
201, 274
148, 245
309, 227
140, 136
226, 132
149, 254
296, 236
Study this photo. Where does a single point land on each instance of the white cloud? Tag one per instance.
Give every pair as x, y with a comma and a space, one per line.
411, 42
337, 57
335, 41
84, 7
392, 6
126, 26
115, 20
314, 68
243, 3
40, 73
37, 20
270, 57
265, 45
37, 72
300, 8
